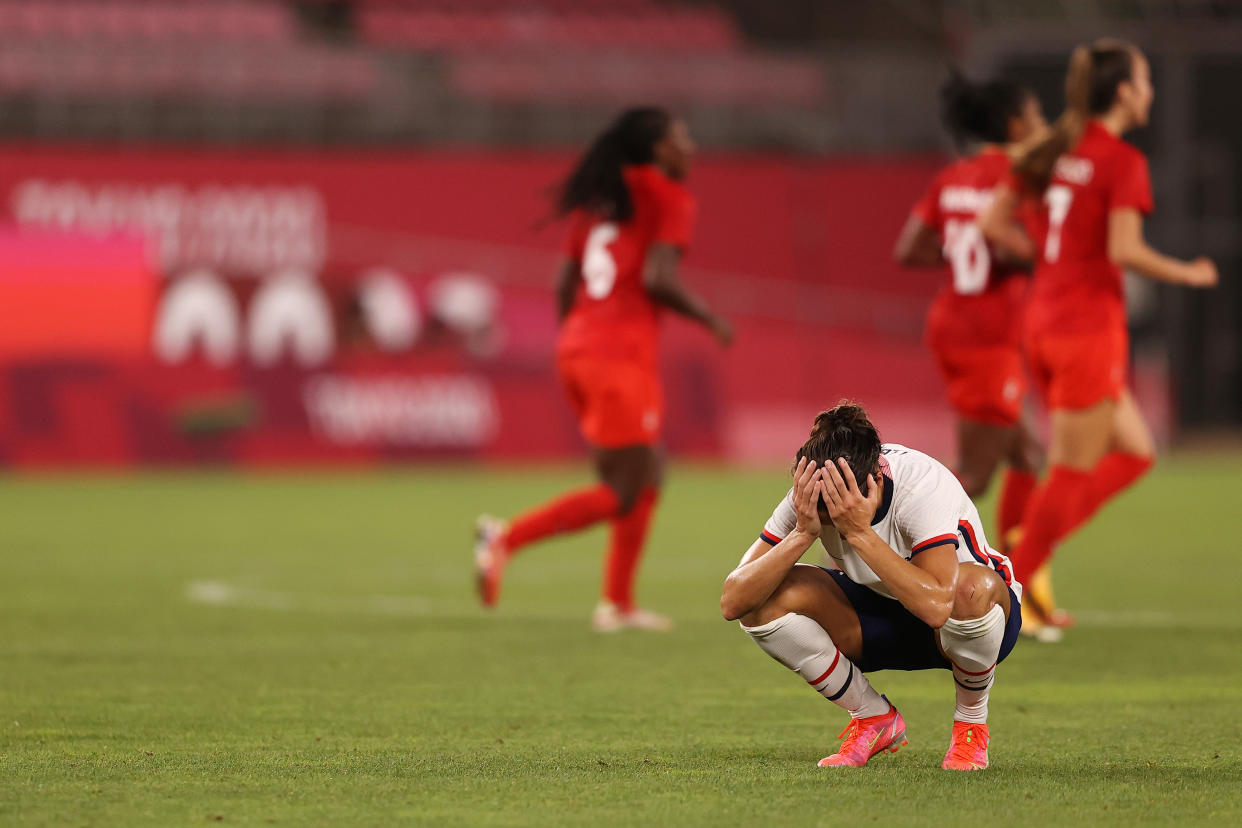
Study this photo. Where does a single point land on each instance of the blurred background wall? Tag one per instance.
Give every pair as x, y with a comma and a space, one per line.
276, 232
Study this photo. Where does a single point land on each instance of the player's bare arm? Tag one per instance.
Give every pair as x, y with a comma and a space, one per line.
1128, 249
566, 283
665, 288
763, 567
926, 586
918, 245
1002, 231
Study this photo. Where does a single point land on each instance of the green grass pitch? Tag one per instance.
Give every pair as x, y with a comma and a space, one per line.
306, 650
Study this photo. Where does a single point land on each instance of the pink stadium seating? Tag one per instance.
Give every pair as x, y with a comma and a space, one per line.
509, 51
470, 26
145, 19
720, 79
292, 73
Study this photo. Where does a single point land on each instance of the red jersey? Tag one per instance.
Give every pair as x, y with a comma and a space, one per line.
612, 316
980, 300
1077, 288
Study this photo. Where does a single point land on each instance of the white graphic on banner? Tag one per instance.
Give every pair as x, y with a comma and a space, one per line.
389, 310
250, 230
431, 412
290, 314
198, 310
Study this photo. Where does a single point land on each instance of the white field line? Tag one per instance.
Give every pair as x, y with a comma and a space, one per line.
1155, 619
222, 594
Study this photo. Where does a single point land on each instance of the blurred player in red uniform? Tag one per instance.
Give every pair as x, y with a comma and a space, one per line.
630, 219
973, 324
1093, 190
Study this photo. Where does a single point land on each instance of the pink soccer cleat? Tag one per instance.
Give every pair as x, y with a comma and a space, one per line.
968, 749
864, 738
490, 558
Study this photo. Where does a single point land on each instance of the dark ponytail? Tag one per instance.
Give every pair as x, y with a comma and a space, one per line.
980, 112
846, 431
1091, 83
596, 183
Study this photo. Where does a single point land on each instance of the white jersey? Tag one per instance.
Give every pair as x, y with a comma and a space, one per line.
923, 507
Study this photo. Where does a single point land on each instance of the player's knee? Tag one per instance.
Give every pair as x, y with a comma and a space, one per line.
794, 594
626, 500
978, 590
627, 492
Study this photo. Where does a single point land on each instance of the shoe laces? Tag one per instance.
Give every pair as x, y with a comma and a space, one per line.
852, 735
966, 744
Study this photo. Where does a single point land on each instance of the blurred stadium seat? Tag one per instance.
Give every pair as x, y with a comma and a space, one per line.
137, 20
475, 26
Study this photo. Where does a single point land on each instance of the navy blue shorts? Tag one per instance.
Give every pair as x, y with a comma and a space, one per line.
893, 638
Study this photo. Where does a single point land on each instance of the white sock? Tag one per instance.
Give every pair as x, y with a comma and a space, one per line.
973, 646
806, 648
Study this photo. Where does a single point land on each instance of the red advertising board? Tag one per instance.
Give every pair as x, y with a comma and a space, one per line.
279, 307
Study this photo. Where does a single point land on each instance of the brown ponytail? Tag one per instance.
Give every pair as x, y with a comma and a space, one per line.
1091, 82
846, 431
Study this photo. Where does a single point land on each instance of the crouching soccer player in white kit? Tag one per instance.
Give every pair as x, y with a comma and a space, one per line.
917, 586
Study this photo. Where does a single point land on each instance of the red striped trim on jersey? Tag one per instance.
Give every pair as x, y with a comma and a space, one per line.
939, 540
982, 554
768, 537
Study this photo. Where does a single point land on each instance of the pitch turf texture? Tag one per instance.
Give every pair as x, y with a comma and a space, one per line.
306, 650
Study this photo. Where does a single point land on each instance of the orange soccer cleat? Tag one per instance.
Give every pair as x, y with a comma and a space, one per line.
490, 558
968, 749
864, 738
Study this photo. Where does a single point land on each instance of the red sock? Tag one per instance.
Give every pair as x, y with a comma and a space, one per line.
1050, 515
1015, 494
1111, 476
568, 512
629, 533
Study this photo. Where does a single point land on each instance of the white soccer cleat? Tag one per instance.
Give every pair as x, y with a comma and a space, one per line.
609, 618
489, 558
1035, 622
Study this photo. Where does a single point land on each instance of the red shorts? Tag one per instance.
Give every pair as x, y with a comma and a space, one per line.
618, 403
984, 385
1078, 370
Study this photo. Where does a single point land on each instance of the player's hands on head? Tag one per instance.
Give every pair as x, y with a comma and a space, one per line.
807, 489
851, 511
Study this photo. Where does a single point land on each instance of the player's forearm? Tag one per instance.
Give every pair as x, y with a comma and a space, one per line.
1146, 261
1001, 230
565, 284
754, 581
564, 302
920, 257
918, 245
916, 589
676, 298
1011, 243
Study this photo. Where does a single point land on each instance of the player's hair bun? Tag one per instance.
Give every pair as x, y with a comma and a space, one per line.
844, 418
844, 431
